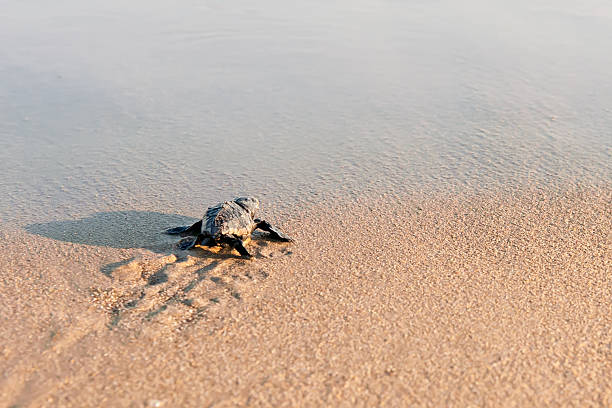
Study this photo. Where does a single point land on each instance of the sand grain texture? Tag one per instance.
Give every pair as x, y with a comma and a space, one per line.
491, 300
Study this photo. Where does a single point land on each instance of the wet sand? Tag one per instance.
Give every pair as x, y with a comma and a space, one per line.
497, 299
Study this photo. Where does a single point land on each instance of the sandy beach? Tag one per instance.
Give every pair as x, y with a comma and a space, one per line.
498, 299
445, 169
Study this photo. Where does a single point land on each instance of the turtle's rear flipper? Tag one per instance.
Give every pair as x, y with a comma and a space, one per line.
274, 233
237, 244
186, 243
189, 242
186, 230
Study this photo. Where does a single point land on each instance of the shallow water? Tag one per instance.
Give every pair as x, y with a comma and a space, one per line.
166, 106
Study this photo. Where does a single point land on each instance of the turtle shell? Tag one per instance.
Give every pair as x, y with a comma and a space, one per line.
228, 218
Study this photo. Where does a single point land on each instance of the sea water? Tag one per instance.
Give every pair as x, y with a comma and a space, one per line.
174, 105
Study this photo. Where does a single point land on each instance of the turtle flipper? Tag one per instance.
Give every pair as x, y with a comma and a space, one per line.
237, 244
186, 230
208, 241
189, 242
274, 232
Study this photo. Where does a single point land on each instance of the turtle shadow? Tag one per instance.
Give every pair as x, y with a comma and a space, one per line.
116, 229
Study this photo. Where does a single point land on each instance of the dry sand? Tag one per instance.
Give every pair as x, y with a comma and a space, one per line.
466, 300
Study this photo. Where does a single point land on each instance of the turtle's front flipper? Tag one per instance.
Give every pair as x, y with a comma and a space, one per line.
189, 242
274, 233
237, 244
195, 229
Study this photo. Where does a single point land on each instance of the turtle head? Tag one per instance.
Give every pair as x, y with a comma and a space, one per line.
251, 204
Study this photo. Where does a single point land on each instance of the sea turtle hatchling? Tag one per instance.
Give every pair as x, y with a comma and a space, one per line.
227, 223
